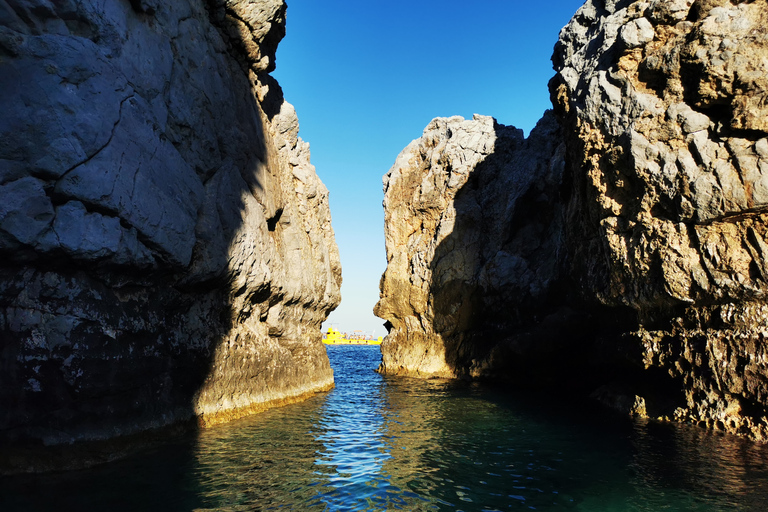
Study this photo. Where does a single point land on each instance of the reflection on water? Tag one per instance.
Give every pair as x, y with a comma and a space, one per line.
375, 443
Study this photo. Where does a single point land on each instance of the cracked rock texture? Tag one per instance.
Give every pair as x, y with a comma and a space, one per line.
471, 235
166, 248
659, 226
664, 106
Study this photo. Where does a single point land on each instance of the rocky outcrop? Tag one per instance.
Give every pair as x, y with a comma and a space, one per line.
663, 106
661, 219
166, 245
472, 236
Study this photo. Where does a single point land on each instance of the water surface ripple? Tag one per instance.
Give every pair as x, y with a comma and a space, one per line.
376, 443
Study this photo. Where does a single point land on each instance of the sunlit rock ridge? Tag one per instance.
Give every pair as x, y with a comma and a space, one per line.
166, 248
638, 272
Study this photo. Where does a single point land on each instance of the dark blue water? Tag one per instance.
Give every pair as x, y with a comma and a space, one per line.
402, 444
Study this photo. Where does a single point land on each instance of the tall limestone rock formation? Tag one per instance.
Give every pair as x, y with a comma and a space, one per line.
664, 106
166, 248
654, 256
472, 234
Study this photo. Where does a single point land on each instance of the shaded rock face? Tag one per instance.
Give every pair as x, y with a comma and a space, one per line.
472, 236
656, 239
166, 245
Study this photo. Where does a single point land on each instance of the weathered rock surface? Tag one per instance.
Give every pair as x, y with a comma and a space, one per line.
662, 221
666, 143
472, 230
165, 245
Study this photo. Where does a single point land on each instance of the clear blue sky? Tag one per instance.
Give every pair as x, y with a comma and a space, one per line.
367, 76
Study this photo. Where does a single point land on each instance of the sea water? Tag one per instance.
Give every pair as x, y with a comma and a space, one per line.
378, 443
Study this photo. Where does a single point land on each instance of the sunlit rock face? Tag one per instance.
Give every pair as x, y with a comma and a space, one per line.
663, 104
647, 287
166, 248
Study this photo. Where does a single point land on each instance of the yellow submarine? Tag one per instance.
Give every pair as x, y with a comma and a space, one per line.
334, 337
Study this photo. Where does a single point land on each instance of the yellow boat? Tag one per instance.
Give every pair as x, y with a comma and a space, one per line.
334, 337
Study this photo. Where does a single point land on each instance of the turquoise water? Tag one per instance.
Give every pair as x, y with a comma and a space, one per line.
376, 443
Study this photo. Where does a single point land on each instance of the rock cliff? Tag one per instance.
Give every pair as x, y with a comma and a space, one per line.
472, 235
656, 247
166, 248
663, 104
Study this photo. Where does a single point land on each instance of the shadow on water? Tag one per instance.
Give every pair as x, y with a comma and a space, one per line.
379, 443
468, 447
